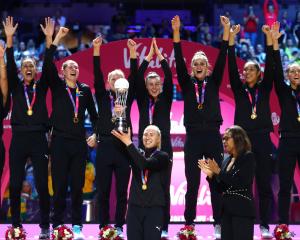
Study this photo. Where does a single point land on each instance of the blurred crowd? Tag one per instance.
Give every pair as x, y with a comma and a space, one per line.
249, 45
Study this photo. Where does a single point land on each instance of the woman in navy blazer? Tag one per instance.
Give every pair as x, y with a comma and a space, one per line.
234, 180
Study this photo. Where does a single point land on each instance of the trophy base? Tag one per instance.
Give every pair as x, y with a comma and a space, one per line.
121, 125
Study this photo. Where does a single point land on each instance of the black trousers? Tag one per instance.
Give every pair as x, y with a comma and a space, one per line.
236, 227
112, 157
144, 223
31, 145
262, 149
68, 161
289, 154
2, 161
209, 144
166, 146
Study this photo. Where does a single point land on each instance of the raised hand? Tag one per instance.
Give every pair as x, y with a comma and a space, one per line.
151, 52
97, 42
266, 29
48, 30
202, 164
123, 137
131, 45
176, 23
235, 29
225, 22
275, 31
213, 166
9, 27
62, 32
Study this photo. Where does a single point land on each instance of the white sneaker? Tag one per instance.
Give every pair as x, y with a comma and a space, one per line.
164, 234
265, 233
78, 235
217, 231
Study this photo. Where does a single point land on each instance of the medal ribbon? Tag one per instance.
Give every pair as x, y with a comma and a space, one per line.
203, 88
30, 104
253, 106
75, 105
145, 176
151, 110
297, 98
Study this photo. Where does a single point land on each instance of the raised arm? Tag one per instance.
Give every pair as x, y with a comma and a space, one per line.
168, 81
155, 163
3, 76
234, 76
12, 72
279, 83
276, 7
99, 84
181, 69
141, 90
217, 74
48, 31
50, 68
267, 82
133, 72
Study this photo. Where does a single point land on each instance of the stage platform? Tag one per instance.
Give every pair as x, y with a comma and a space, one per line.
205, 231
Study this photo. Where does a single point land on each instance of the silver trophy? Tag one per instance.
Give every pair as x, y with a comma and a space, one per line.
119, 114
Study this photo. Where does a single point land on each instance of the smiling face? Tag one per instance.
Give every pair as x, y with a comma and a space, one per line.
28, 70
228, 143
113, 76
200, 66
151, 137
293, 74
153, 84
251, 72
70, 70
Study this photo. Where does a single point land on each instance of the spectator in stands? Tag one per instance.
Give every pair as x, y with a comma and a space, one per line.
243, 49
148, 31
59, 19
296, 27
260, 54
250, 25
118, 27
201, 28
285, 22
270, 12
165, 30
290, 47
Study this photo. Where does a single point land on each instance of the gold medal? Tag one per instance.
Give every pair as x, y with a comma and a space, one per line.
75, 120
144, 187
298, 118
253, 116
200, 106
29, 112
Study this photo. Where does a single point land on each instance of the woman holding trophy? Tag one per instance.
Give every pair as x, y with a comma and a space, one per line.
112, 156
154, 102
